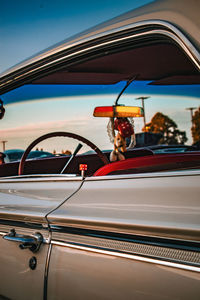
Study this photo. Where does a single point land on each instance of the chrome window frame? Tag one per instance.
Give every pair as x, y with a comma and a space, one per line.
48, 59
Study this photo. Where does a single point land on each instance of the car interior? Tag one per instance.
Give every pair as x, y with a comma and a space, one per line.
156, 63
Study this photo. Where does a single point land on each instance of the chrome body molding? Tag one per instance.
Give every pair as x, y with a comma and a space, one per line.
72, 177
169, 174
41, 178
24, 225
129, 256
159, 249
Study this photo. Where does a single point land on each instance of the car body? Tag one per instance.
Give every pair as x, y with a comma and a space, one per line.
123, 230
16, 154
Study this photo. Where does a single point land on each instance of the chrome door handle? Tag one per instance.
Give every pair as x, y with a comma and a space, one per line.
32, 242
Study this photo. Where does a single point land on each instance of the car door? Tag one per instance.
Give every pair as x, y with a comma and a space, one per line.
115, 236
24, 232
128, 237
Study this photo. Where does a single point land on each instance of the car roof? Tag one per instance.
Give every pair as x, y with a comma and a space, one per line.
182, 15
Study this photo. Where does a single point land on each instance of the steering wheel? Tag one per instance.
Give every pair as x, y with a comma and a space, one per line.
56, 134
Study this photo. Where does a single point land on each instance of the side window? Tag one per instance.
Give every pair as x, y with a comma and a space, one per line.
165, 86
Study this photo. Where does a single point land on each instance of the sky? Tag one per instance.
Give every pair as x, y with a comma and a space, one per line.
30, 26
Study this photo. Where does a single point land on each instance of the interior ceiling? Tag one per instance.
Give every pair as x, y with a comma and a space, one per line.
162, 63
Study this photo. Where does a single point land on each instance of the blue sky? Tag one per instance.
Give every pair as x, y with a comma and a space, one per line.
29, 26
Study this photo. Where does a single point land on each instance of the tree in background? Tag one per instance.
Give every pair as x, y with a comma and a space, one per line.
196, 126
171, 135
66, 152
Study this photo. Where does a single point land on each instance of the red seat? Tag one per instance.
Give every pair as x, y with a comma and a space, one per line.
158, 162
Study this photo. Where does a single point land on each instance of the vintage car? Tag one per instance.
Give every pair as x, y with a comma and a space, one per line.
16, 154
118, 224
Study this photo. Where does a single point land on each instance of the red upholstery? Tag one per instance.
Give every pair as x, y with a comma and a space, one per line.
160, 160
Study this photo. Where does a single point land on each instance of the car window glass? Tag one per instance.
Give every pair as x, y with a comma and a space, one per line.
37, 110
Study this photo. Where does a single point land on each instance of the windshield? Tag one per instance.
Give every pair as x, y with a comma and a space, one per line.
34, 110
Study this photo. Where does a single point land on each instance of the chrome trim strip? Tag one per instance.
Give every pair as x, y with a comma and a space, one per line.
170, 31
65, 177
41, 178
180, 173
63, 233
157, 248
195, 58
75, 42
24, 224
129, 256
133, 26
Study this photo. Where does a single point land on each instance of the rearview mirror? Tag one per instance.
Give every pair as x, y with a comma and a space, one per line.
118, 111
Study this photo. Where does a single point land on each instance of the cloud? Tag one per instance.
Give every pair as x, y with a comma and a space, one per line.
41, 126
